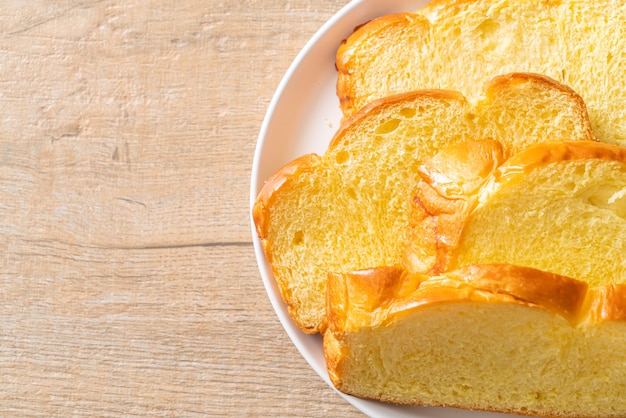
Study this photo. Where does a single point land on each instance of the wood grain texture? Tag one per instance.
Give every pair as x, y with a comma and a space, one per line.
128, 283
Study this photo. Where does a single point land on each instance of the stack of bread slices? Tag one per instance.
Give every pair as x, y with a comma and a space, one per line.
462, 241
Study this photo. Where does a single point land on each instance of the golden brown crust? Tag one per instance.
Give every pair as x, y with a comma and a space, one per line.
561, 295
551, 152
607, 303
554, 292
492, 86
377, 297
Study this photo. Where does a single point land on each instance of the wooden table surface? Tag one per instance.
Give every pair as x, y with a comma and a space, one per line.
128, 280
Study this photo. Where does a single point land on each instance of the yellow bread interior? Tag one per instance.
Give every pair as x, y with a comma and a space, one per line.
457, 45
486, 337
350, 208
557, 207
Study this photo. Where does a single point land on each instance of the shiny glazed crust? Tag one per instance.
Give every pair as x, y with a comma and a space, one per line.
379, 296
442, 204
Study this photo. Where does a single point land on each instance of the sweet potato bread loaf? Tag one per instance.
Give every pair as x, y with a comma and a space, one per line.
485, 337
558, 207
457, 45
349, 208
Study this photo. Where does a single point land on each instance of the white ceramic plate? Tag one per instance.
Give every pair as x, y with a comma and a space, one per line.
302, 118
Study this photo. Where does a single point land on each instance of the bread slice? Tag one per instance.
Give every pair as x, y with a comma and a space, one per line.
457, 45
350, 208
484, 337
559, 207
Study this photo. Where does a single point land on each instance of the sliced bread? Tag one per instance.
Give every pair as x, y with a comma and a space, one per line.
559, 207
349, 208
485, 337
457, 45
